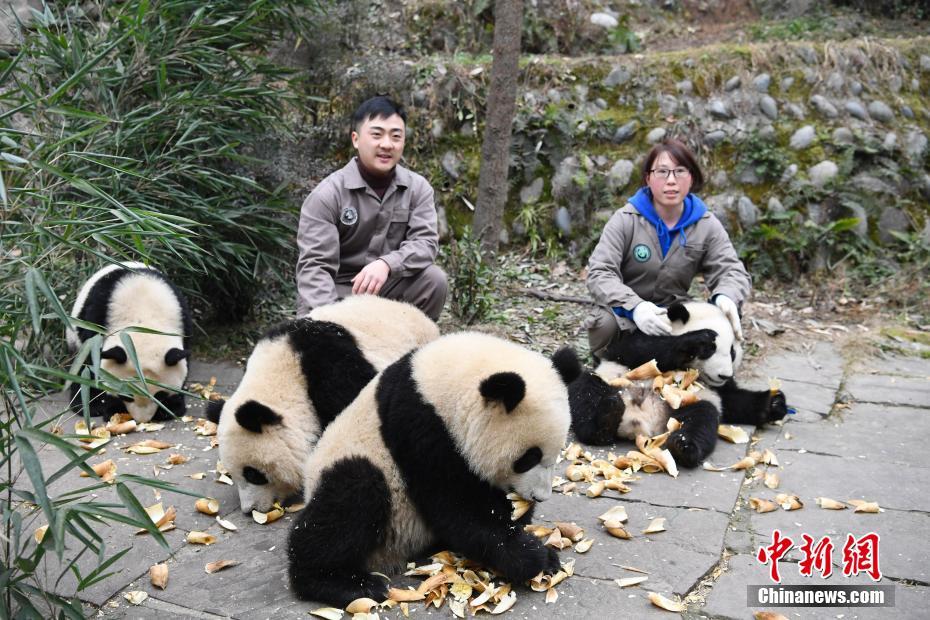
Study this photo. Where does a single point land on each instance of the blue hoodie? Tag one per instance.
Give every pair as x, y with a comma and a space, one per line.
694, 209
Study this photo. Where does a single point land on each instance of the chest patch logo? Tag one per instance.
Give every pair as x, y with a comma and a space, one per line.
348, 216
642, 253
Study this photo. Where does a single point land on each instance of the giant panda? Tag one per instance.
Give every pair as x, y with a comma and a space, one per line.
127, 295
427, 454
300, 375
701, 338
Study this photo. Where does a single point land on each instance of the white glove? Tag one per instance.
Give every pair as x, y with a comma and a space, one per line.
651, 319
731, 312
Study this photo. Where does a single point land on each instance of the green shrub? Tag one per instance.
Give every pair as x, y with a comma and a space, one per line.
153, 104
471, 280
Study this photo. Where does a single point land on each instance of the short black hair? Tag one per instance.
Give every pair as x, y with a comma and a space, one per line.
377, 107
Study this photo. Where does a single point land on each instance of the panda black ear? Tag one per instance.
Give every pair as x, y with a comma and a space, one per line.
215, 410
175, 355
566, 362
252, 416
117, 354
678, 312
507, 388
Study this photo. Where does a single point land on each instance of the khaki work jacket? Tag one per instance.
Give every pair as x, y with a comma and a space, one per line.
627, 266
344, 226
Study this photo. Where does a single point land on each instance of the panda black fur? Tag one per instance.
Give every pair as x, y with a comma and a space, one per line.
128, 295
299, 377
427, 454
701, 338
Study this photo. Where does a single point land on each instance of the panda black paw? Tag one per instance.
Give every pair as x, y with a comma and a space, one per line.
553, 564
777, 409
699, 344
371, 586
529, 561
684, 450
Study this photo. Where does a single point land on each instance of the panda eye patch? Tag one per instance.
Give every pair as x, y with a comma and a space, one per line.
253, 476
530, 459
733, 354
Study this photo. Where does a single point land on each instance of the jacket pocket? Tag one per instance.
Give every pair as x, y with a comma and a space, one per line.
400, 215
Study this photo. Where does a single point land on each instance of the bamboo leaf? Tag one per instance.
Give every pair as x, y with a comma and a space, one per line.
136, 509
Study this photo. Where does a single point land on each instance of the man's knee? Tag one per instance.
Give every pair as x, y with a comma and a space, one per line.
435, 287
437, 281
427, 290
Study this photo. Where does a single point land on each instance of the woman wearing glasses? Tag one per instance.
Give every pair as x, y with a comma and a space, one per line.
652, 248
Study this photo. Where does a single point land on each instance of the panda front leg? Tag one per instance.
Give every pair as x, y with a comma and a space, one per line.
670, 352
697, 437
757, 407
493, 540
175, 403
100, 403
596, 409
336, 532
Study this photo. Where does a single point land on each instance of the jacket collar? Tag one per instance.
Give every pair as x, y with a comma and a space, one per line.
353, 178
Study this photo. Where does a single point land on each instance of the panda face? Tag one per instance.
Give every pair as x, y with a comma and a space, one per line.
163, 363
260, 457
505, 407
267, 427
728, 352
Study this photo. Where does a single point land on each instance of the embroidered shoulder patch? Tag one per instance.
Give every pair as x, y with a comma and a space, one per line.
642, 253
348, 216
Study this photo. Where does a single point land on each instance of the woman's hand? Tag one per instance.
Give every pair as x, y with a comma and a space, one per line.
731, 312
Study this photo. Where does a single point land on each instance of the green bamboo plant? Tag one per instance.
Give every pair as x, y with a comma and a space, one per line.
121, 137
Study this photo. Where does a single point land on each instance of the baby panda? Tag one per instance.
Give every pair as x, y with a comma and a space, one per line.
134, 295
702, 338
300, 375
426, 455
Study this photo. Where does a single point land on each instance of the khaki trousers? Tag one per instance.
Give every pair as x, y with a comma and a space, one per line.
426, 289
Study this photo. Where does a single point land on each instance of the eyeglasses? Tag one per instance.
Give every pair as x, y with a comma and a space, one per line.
663, 173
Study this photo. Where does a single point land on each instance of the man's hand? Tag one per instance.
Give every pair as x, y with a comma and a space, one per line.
371, 278
731, 312
651, 319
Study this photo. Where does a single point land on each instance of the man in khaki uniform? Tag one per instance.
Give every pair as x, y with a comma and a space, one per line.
370, 228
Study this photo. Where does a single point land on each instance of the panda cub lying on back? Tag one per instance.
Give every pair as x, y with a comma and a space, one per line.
134, 295
701, 338
427, 454
300, 376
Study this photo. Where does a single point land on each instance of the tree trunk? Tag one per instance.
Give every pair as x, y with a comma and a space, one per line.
495, 148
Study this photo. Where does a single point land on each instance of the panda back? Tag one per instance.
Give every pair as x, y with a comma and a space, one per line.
356, 433
383, 329
120, 296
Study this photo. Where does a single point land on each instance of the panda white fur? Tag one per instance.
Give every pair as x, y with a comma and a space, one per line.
701, 338
134, 295
299, 377
427, 453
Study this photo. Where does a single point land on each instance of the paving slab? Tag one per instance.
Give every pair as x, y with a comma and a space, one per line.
892, 485
820, 364
890, 390
894, 365
865, 430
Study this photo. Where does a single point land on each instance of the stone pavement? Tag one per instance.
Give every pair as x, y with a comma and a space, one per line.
858, 433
